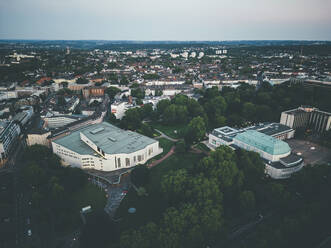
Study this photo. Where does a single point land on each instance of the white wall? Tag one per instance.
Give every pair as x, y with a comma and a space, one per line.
263, 154
282, 173
106, 163
38, 139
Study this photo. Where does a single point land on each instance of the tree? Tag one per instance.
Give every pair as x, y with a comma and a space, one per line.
252, 166
61, 100
147, 130
174, 184
82, 81
249, 111
112, 65
138, 92
197, 129
180, 99
147, 110
140, 175
112, 91
33, 174
64, 84
124, 80
181, 113
170, 114
158, 93
247, 200
65, 91
162, 105
99, 231
181, 146
145, 236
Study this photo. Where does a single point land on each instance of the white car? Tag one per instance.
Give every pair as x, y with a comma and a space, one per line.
29, 232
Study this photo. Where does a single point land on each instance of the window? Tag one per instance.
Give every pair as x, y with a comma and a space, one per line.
134, 159
150, 151
127, 162
139, 158
119, 162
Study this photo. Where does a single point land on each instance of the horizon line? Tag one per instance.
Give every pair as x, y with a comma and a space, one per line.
137, 40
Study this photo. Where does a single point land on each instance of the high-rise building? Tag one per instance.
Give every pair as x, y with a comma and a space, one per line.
307, 117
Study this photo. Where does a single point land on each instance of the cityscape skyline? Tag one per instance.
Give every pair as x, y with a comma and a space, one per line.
171, 20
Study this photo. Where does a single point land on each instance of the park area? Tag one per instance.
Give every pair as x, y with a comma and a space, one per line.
173, 131
151, 206
90, 195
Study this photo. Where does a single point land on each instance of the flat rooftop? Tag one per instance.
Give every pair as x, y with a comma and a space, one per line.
225, 131
109, 138
291, 159
270, 128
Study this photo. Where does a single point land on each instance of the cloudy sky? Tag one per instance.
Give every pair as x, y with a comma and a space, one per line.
166, 19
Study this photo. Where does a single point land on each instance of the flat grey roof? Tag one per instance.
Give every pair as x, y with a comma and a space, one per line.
109, 138
274, 128
291, 159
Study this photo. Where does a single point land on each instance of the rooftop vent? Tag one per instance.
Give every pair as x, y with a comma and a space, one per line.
112, 139
98, 130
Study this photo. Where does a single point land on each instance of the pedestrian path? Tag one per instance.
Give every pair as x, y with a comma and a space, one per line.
172, 150
163, 135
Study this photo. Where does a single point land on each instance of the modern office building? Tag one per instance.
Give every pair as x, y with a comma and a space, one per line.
24, 116
9, 132
57, 121
307, 117
105, 147
266, 140
119, 108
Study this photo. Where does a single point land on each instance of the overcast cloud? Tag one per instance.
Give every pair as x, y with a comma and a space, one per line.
165, 20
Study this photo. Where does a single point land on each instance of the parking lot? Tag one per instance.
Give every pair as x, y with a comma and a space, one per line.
115, 193
311, 152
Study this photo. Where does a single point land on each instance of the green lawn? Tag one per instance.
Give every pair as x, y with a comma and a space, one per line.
90, 195
151, 207
156, 133
166, 145
169, 130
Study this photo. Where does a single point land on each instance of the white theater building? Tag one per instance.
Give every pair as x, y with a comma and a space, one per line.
105, 147
268, 142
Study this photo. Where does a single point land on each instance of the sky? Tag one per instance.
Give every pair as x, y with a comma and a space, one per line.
166, 19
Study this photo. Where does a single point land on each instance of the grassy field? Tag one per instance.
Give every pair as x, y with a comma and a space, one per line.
151, 207
170, 130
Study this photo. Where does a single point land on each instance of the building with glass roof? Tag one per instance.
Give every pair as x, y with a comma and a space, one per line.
267, 146
105, 147
266, 140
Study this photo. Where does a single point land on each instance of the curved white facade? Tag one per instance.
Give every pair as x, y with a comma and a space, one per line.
280, 173
105, 147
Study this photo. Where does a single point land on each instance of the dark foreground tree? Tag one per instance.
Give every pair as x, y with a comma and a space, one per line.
99, 231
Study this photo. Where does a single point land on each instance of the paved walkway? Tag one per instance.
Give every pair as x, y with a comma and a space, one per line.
197, 150
165, 136
206, 142
172, 150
